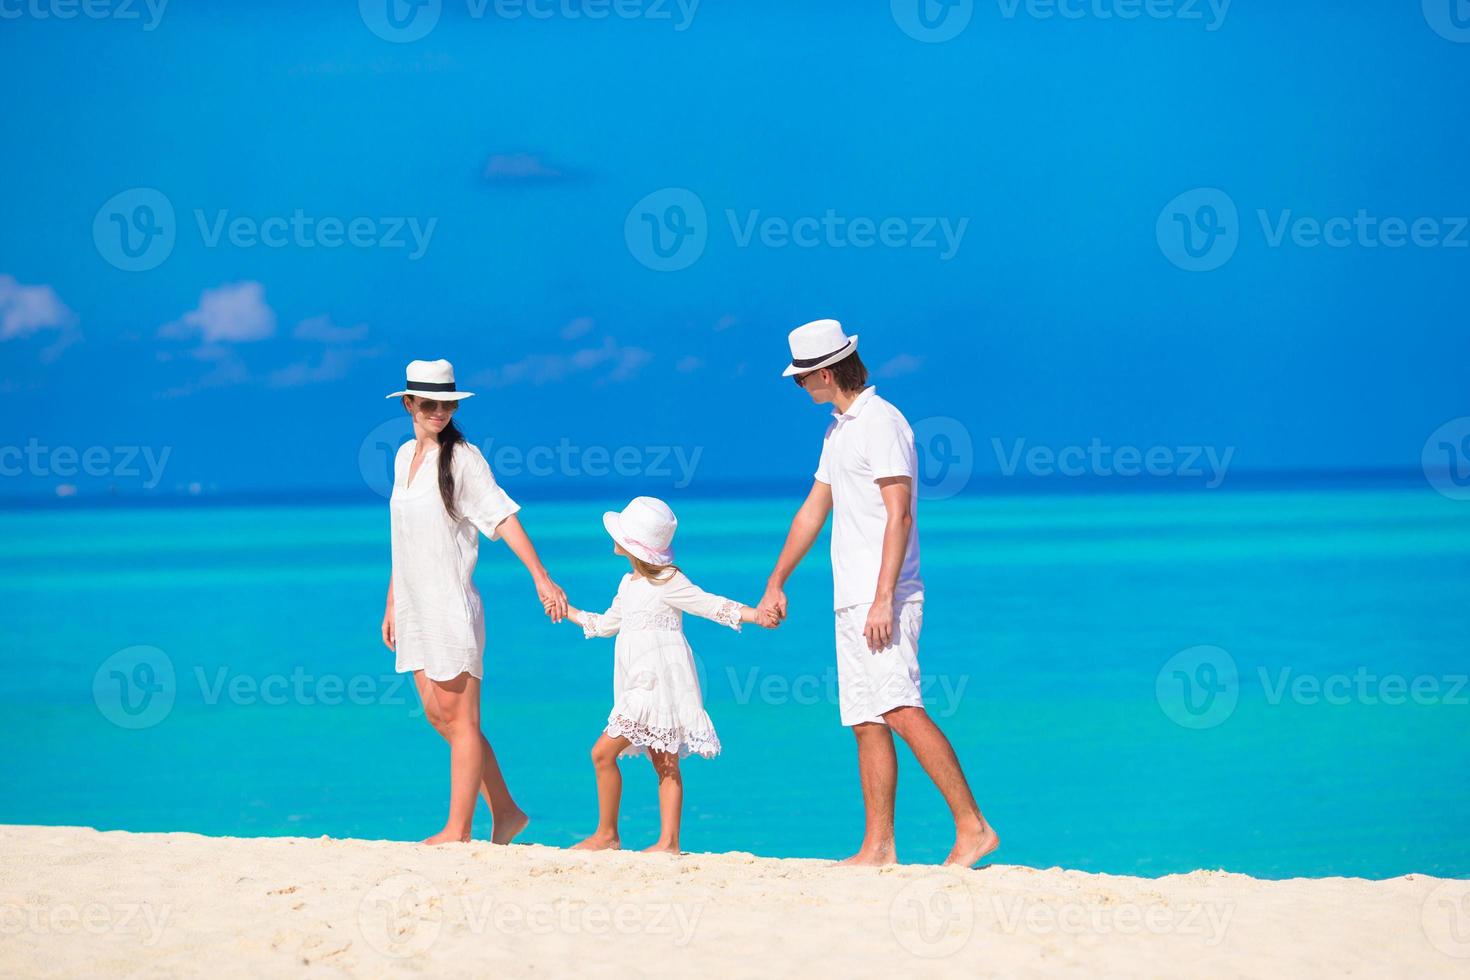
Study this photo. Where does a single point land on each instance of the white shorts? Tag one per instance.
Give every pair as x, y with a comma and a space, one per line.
871, 682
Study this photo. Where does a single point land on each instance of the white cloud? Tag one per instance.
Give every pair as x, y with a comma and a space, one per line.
322, 330
899, 366
228, 369
629, 361
689, 363
507, 168
332, 364
25, 310
620, 364
233, 313
726, 322
576, 328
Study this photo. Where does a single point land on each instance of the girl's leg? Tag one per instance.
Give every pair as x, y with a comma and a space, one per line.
509, 818
609, 794
457, 704
670, 800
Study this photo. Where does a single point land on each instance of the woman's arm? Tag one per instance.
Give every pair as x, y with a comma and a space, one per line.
553, 599
390, 635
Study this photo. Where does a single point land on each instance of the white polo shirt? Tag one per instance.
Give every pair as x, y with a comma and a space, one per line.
870, 441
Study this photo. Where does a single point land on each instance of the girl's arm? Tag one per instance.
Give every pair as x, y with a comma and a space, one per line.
684, 594
598, 624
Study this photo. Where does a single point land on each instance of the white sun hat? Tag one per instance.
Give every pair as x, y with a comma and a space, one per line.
818, 344
645, 529
432, 379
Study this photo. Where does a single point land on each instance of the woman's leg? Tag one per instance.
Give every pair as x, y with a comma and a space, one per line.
457, 705
670, 800
509, 820
609, 794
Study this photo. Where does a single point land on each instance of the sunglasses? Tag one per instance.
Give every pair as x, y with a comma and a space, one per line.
429, 405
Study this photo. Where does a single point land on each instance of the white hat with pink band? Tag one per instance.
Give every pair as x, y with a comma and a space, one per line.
645, 529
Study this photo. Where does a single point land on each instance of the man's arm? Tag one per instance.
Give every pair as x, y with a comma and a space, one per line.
805, 526
896, 492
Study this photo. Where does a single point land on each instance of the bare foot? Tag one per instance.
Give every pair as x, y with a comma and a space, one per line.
875, 856
506, 828
972, 845
599, 842
662, 848
448, 837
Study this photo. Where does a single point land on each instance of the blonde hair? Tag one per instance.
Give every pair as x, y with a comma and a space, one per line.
650, 571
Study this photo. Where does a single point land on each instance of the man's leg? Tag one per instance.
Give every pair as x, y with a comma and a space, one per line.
974, 837
878, 770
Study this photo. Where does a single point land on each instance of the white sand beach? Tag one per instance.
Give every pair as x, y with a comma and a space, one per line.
75, 902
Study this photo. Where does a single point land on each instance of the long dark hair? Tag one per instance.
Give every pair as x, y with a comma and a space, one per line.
449, 437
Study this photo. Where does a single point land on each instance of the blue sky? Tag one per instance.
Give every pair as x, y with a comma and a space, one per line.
495, 169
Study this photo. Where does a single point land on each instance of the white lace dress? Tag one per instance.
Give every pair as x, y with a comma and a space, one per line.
438, 616
657, 702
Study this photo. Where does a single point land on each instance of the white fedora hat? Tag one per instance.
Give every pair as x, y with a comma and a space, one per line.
645, 529
432, 379
818, 344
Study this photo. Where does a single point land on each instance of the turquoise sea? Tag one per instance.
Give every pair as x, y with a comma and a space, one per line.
1266, 681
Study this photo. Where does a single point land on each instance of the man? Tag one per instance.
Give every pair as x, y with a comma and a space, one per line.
866, 475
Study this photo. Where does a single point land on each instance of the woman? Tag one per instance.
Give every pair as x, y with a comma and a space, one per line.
444, 497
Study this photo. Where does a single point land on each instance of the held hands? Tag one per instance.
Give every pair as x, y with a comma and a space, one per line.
772, 608
553, 599
760, 616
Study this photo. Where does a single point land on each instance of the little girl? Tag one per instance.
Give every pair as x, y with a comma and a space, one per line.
657, 707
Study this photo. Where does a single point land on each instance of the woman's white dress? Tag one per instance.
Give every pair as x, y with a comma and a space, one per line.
438, 617
657, 703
